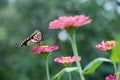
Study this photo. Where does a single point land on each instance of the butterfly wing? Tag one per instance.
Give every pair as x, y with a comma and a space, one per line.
38, 36
35, 38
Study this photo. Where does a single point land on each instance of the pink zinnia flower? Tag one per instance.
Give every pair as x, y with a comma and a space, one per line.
108, 45
110, 77
65, 60
69, 21
44, 49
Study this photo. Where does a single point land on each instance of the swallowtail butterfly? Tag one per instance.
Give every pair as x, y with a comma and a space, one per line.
35, 38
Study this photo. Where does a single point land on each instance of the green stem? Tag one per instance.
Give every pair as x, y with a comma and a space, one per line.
119, 67
75, 51
116, 73
70, 77
47, 68
115, 67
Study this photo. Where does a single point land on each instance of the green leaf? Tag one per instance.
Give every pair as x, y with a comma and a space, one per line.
115, 56
58, 75
93, 65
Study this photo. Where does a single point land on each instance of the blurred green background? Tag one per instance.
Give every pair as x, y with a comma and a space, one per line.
19, 18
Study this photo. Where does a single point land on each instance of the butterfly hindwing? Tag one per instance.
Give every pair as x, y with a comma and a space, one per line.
35, 38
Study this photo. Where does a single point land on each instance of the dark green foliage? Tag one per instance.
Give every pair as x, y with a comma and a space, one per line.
18, 19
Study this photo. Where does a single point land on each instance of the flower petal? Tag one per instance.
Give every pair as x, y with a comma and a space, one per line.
64, 22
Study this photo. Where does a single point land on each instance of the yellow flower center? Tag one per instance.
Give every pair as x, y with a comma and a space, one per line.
44, 46
67, 59
110, 42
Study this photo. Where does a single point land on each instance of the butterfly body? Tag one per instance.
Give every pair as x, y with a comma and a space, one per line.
35, 38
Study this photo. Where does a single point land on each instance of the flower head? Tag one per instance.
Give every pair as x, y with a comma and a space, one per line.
44, 49
108, 45
69, 21
110, 77
66, 60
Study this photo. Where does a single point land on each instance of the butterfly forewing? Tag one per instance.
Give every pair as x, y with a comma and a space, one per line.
35, 38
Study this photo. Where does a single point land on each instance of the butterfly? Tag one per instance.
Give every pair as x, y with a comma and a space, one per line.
34, 38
